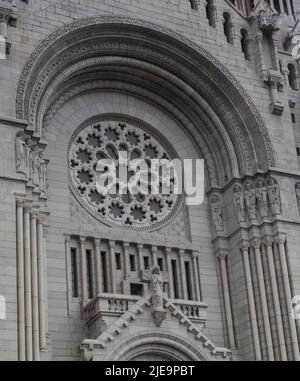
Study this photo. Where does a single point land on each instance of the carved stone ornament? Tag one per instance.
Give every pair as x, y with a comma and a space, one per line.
268, 19
262, 198
239, 203
250, 200
31, 162
217, 211
274, 196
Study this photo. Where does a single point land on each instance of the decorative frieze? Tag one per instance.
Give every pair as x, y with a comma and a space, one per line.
259, 202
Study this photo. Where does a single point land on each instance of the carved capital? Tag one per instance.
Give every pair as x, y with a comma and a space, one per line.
154, 249
244, 246
196, 254
67, 238
256, 243
112, 244
168, 250
181, 252
268, 241
97, 242
82, 240
222, 255
20, 203
8, 13
125, 245
40, 219
280, 239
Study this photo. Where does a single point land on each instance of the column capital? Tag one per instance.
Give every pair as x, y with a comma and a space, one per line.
168, 250
256, 243
268, 241
140, 246
8, 12
112, 244
244, 245
222, 254
181, 251
97, 242
196, 254
82, 240
125, 245
154, 249
27, 206
280, 238
40, 219
67, 238
20, 203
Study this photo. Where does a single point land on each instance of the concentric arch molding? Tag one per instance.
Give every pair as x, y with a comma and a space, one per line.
90, 21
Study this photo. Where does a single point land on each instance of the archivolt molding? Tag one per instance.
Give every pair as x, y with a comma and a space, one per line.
24, 91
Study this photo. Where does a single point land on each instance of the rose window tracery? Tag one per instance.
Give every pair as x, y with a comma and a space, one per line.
105, 139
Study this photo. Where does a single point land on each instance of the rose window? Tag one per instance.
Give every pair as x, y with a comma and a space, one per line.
106, 140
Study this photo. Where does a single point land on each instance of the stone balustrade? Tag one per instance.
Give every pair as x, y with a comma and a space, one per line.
195, 311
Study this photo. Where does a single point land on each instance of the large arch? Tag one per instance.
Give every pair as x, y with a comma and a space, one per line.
133, 56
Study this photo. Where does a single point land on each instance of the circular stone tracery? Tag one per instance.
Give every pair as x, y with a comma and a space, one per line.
104, 139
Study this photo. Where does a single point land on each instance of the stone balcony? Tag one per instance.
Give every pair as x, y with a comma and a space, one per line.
104, 309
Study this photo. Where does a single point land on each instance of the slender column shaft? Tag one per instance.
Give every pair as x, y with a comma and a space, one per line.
227, 302
98, 266
28, 303
154, 256
68, 274
183, 275
126, 259
41, 284
112, 266
170, 273
289, 7
272, 4
276, 301
260, 52
20, 283
281, 6
34, 290
288, 296
45, 280
141, 258
83, 269
3, 28
196, 277
251, 301
263, 297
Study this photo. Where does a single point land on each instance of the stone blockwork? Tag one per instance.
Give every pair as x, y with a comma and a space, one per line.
216, 80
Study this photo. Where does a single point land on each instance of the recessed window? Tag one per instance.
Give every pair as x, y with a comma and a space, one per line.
132, 262
194, 5
228, 27
298, 151
175, 279
245, 44
89, 273
210, 13
146, 263
118, 261
292, 77
188, 280
293, 117
74, 272
136, 289
104, 271
160, 263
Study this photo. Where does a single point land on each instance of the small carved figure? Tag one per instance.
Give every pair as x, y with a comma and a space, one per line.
239, 203
274, 196
217, 213
262, 199
250, 201
21, 153
157, 289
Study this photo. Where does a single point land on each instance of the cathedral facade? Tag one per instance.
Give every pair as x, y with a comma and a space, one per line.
145, 277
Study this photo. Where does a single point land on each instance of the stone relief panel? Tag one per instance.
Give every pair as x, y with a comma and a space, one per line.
31, 162
259, 201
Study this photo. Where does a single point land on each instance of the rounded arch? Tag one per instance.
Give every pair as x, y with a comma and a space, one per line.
165, 345
160, 65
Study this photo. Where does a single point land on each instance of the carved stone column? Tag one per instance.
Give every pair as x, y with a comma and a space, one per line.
268, 242
244, 246
34, 289
183, 275
256, 244
126, 259
196, 276
68, 274
280, 240
41, 282
45, 278
154, 256
222, 257
141, 258
83, 270
20, 282
28, 296
98, 265
112, 266
170, 273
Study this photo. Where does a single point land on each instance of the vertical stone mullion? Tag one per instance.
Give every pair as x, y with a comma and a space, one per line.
126, 259
98, 267
41, 283
170, 273
20, 282
196, 277
112, 245
183, 275
68, 274
141, 259
83, 269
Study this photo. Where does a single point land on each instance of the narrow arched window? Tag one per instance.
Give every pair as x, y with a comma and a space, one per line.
292, 77
210, 13
194, 5
228, 27
245, 44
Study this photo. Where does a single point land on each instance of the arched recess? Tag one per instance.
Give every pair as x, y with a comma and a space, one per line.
160, 66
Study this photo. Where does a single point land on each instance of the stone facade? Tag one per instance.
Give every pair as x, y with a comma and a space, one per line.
184, 79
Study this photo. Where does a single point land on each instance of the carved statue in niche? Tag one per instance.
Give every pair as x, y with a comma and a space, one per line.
262, 198
250, 200
30, 161
274, 196
239, 203
217, 213
298, 196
